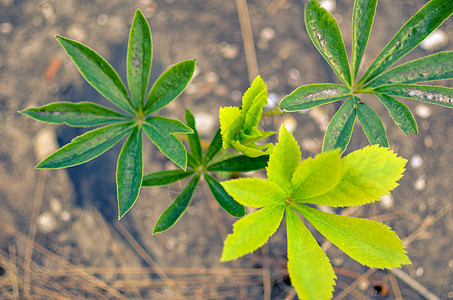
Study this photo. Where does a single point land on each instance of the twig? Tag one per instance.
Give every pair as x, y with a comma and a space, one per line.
395, 287
352, 286
13, 271
274, 7
247, 39
146, 257
32, 232
415, 285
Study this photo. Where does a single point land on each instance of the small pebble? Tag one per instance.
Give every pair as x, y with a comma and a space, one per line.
450, 263
289, 122
65, 215
267, 34
420, 184
363, 285
294, 77
416, 161
45, 143
338, 261
423, 111
6, 28
211, 77
55, 206
419, 271
329, 5
428, 141
205, 123
437, 40
228, 51
386, 201
102, 19
47, 222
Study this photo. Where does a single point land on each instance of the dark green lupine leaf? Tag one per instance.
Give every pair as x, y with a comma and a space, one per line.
240, 163
432, 94
97, 72
177, 208
222, 197
425, 21
169, 85
194, 138
139, 58
338, 133
433, 67
362, 20
214, 147
372, 125
400, 113
165, 177
312, 95
86, 147
326, 36
129, 172
82, 114
160, 130
192, 162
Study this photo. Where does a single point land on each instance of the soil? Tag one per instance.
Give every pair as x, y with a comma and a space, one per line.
59, 237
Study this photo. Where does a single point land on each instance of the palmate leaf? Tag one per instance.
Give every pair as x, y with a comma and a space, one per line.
255, 192
86, 147
252, 231
284, 160
129, 172
169, 86
431, 94
400, 113
177, 208
139, 59
372, 125
368, 174
433, 67
370, 243
314, 177
313, 95
83, 114
160, 130
240, 163
223, 198
362, 20
239, 126
339, 131
98, 73
165, 177
326, 36
309, 268
425, 21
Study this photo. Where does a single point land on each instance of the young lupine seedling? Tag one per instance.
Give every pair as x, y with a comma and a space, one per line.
292, 187
202, 164
397, 82
134, 117
239, 125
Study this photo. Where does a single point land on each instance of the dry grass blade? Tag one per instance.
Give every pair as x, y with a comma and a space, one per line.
415, 285
353, 285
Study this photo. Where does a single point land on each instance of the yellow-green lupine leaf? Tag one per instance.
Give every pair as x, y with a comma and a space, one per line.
432, 67
370, 243
254, 192
369, 173
309, 268
284, 160
339, 131
326, 36
439, 95
252, 150
425, 21
229, 120
362, 20
253, 115
372, 125
129, 172
139, 59
252, 231
316, 176
400, 113
256, 88
313, 95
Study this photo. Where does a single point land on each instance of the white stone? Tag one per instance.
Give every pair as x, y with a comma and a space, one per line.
423, 111
45, 143
437, 40
329, 5
267, 34
386, 201
47, 222
205, 123
416, 161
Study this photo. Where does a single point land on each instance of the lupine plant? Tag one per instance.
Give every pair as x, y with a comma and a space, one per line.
385, 85
293, 189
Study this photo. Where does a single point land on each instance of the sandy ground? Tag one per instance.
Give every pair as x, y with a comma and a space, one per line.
58, 233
